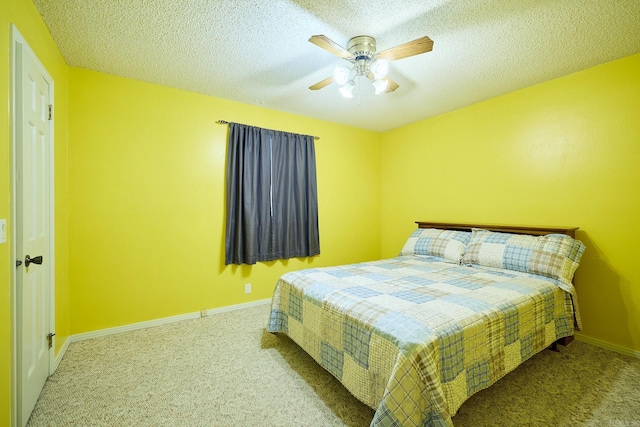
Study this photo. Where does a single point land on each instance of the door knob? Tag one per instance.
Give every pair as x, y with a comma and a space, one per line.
35, 260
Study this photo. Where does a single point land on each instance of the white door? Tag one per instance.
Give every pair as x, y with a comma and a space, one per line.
33, 93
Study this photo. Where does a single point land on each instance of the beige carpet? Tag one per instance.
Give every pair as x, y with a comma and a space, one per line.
225, 370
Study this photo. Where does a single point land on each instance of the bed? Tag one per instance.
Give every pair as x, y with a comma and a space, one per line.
415, 336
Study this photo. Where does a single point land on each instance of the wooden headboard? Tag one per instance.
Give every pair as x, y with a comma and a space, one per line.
516, 229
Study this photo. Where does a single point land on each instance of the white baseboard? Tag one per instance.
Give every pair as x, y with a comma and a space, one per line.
151, 323
607, 345
238, 306
209, 312
61, 353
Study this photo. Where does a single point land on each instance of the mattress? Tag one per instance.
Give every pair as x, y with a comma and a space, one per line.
413, 337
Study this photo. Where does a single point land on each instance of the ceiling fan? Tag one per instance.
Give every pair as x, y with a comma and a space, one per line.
366, 62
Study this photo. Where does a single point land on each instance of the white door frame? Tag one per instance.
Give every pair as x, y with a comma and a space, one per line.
19, 42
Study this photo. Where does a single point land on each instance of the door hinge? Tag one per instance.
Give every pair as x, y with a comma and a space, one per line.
50, 339
50, 111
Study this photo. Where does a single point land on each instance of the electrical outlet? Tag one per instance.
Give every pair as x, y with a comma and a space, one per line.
203, 312
247, 288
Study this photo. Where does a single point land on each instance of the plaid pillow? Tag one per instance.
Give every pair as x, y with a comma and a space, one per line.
447, 244
553, 255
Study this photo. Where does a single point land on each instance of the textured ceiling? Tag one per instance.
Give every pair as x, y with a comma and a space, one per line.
257, 52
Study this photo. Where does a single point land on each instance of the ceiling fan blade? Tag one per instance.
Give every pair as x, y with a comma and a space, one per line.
405, 50
391, 86
330, 46
322, 83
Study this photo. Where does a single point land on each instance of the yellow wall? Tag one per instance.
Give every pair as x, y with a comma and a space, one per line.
140, 189
24, 15
565, 152
146, 185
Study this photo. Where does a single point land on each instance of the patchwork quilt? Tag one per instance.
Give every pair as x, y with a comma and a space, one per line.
413, 337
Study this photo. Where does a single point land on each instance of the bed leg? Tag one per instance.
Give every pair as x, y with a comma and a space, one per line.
564, 341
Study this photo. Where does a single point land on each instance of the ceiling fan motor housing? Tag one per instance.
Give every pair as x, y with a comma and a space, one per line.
362, 47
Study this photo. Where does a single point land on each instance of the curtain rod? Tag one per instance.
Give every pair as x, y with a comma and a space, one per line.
224, 122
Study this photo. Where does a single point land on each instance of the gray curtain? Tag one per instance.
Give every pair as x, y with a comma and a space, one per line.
272, 202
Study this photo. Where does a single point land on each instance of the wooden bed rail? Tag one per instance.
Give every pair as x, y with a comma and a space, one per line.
516, 229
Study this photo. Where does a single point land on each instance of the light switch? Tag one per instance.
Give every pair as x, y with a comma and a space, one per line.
3, 230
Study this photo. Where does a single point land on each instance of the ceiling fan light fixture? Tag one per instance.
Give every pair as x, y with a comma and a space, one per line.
380, 68
380, 86
347, 89
340, 75
366, 62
